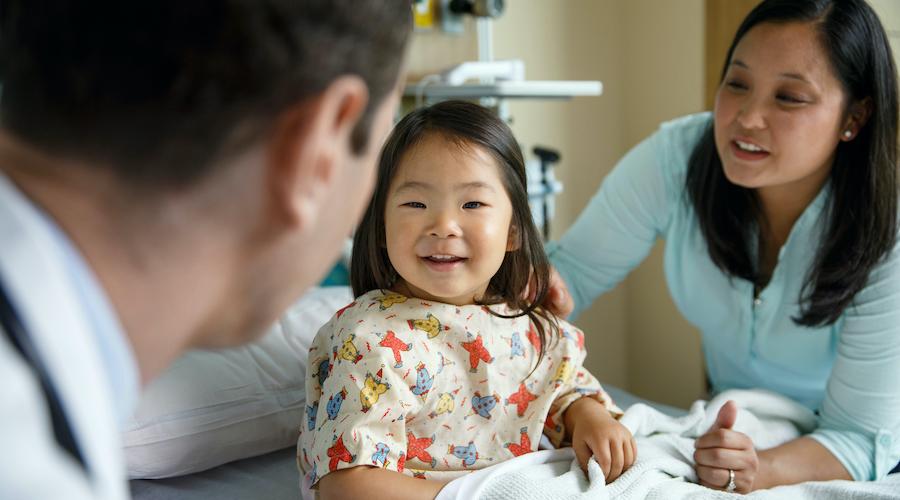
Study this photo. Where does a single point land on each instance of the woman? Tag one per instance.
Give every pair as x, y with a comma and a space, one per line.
779, 213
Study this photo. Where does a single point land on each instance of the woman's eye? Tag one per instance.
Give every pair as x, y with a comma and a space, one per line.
789, 99
735, 85
473, 204
414, 204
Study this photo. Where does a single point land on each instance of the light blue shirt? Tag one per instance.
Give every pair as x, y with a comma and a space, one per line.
848, 371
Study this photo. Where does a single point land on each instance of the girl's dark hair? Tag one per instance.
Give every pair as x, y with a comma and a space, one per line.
862, 214
466, 125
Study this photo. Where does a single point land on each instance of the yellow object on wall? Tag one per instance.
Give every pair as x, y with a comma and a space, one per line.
424, 14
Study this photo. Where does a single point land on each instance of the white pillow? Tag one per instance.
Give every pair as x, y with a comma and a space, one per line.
213, 407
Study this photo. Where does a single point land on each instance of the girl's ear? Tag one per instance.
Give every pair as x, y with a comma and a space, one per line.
514, 240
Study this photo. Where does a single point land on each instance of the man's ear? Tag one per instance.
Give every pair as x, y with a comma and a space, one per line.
310, 144
514, 240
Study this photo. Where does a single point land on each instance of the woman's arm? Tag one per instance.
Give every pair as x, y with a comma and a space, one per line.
372, 483
632, 208
617, 228
858, 436
723, 449
859, 420
796, 461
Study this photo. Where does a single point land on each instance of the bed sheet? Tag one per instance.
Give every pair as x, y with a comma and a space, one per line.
274, 476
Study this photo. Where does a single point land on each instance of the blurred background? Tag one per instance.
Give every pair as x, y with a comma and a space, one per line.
656, 60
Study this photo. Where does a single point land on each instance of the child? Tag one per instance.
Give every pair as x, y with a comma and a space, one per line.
440, 366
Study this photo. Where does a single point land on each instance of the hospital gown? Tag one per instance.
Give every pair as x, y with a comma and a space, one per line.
433, 390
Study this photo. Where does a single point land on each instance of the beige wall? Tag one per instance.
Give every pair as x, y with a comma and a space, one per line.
648, 54
575, 40
664, 71
889, 12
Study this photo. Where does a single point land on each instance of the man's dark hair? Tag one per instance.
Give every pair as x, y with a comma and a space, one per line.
861, 224
157, 91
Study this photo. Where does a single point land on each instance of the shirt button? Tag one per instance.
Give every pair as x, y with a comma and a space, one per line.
757, 302
885, 440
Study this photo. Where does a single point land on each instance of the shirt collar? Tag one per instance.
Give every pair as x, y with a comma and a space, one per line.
115, 351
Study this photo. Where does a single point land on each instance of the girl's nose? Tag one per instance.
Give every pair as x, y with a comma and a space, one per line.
444, 225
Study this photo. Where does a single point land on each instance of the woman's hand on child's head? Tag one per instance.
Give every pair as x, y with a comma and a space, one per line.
595, 433
558, 301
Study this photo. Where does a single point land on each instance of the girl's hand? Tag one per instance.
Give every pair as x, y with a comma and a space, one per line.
595, 433
721, 450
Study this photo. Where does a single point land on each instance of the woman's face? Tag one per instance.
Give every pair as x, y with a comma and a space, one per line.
779, 111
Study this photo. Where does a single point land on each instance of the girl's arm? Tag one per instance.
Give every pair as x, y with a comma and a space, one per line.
373, 483
595, 433
583, 415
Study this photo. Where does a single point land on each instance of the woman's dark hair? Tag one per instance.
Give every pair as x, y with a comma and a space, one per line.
465, 125
862, 215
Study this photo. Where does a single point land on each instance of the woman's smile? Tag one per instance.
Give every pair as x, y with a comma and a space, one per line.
748, 151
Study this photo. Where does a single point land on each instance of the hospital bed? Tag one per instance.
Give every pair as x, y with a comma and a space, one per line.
272, 476
222, 425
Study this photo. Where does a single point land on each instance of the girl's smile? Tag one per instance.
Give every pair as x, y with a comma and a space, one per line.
447, 221
443, 263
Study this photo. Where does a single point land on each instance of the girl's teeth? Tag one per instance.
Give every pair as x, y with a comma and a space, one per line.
746, 146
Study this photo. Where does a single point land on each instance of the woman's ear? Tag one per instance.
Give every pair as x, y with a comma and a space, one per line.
857, 116
514, 240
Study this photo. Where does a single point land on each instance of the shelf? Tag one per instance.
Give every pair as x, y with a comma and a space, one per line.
550, 89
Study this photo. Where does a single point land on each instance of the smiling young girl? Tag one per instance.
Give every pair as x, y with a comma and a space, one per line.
440, 366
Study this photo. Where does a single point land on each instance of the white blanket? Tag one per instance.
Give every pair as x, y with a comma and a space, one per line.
664, 468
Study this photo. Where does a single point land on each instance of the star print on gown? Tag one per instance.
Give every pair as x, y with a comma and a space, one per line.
391, 396
477, 352
521, 399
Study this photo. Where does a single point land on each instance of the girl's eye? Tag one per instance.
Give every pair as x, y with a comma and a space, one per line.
473, 204
414, 204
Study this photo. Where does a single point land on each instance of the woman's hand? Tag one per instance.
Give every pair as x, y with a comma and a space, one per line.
722, 450
595, 433
558, 301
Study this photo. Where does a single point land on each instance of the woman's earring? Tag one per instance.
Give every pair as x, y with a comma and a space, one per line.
848, 134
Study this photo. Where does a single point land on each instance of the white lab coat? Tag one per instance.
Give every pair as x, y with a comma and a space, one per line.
32, 465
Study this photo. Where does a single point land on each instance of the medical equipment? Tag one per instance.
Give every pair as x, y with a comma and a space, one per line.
493, 83
542, 187
453, 10
478, 8
513, 70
